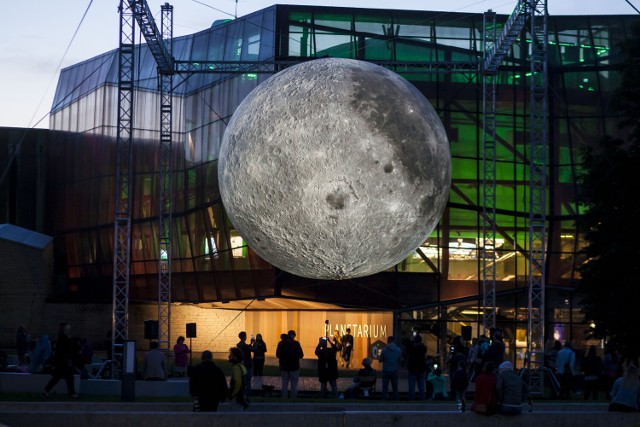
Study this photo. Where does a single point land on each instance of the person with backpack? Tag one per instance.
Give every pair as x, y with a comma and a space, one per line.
238, 375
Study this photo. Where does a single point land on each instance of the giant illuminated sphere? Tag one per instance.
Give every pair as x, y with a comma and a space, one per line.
335, 169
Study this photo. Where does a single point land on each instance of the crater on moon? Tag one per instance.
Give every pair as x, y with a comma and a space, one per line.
337, 168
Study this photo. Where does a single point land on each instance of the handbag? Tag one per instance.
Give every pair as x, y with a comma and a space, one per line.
481, 408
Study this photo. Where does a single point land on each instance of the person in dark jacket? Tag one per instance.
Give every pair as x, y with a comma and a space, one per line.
495, 352
289, 352
511, 390
64, 353
207, 385
593, 369
364, 382
327, 366
459, 383
417, 367
247, 361
259, 348
347, 347
390, 358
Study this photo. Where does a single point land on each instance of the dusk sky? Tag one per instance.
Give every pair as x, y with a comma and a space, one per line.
37, 36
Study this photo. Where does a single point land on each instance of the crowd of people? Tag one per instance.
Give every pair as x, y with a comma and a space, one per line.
63, 358
498, 388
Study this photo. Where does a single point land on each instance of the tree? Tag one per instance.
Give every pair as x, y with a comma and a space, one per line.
610, 192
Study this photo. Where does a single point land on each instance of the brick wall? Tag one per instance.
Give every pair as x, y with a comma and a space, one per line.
217, 330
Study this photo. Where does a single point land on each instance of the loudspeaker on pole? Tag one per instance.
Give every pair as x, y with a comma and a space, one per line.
191, 330
150, 329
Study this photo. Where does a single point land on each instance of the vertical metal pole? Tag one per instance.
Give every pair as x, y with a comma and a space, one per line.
165, 187
537, 195
123, 178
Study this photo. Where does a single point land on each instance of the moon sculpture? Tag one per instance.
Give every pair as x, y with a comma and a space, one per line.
334, 169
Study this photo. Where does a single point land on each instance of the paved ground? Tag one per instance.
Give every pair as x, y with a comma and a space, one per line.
275, 414
309, 410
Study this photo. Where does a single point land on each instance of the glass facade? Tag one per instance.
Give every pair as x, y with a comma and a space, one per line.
210, 261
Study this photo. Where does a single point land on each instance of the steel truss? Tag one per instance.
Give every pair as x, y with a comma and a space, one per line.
488, 253
165, 197
123, 178
494, 49
241, 67
537, 11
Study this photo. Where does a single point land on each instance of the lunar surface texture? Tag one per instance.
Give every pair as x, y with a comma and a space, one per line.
335, 169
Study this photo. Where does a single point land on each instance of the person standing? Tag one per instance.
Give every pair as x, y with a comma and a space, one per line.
347, 347
247, 361
511, 390
258, 348
390, 358
154, 365
495, 352
337, 341
458, 354
207, 385
327, 366
565, 366
238, 375
181, 356
417, 367
593, 368
289, 353
612, 367
41, 354
63, 361
459, 383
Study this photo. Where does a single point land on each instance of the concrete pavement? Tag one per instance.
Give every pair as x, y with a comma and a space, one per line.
330, 414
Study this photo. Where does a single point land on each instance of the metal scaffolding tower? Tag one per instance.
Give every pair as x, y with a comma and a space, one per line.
133, 11
537, 11
494, 49
488, 253
165, 197
123, 178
